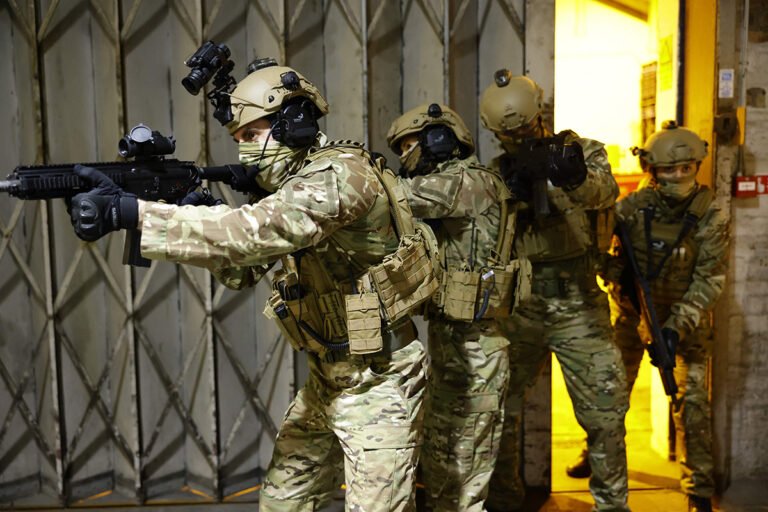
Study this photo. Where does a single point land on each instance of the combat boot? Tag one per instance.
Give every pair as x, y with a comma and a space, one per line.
580, 467
699, 504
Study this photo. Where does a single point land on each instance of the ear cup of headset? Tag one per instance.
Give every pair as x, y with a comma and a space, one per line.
295, 125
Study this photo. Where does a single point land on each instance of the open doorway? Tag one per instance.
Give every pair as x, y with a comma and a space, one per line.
614, 82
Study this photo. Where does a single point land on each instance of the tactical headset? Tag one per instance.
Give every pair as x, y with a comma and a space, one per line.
295, 124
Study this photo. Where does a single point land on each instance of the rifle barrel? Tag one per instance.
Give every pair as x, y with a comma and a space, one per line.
8, 185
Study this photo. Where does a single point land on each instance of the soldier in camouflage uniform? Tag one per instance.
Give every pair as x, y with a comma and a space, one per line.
464, 202
680, 238
563, 229
331, 220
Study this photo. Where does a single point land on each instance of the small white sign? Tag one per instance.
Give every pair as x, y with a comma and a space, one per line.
725, 84
747, 186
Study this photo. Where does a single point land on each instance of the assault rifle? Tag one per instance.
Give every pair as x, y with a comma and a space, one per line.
149, 175
527, 172
657, 347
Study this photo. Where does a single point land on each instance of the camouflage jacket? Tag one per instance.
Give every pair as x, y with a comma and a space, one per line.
568, 232
335, 203
461, 200
692, 278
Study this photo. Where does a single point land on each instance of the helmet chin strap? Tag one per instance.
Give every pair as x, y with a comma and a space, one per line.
269, 134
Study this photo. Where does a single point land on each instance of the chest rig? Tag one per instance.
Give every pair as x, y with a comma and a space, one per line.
321, 314
665, 250
471, 292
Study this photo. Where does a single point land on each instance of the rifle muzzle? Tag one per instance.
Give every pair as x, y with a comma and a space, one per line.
9, 186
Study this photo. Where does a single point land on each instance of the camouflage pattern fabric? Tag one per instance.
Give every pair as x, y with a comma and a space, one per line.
693, 420
567, 315
693, 277
365, 412
684, 293
463, 198
469, 367
469, 371
576, 329
337, 205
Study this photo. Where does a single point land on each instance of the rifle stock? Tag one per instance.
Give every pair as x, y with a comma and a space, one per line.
665, 361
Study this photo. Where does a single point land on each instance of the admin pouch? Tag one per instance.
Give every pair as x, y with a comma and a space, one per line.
494, 290
407, 278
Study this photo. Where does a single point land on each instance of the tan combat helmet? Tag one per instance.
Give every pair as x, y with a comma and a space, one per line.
416, 119
672, 145
264, 90
510, 102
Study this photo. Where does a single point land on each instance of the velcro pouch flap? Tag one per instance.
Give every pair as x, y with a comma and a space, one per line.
363, 323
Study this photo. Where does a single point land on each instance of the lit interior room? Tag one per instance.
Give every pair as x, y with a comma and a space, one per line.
614, 78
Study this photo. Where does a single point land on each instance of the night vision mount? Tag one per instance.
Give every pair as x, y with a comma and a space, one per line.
211, 60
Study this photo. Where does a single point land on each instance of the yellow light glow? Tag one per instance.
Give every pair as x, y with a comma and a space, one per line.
96, 496
242, 492
599, 54
196, 492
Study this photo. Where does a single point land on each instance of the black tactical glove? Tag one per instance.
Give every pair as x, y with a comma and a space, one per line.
671, 338
103, 209
517, 178
568, 169
201, 197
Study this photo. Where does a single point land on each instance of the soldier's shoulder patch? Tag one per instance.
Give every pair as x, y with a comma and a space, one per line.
442, 188
316, 189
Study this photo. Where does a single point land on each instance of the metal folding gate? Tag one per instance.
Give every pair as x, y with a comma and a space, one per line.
128, 385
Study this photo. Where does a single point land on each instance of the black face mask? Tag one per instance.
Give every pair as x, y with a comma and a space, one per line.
437, 143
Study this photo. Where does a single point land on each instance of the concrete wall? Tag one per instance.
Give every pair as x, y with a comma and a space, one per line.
748, 292
740, 363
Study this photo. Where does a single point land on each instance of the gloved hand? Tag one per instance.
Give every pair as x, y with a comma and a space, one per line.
568, 169
671, 339
202, 197
520, 185
105, 208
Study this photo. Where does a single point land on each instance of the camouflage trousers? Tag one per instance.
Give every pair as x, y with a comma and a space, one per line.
575, 327
366, 412
693, 420
469, 371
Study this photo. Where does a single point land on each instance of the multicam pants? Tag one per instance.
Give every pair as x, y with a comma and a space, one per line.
366, 412
575, 326
469, 371
693, 420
